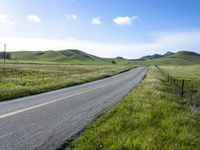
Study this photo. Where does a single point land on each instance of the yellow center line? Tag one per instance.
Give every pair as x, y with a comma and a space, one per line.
58, 99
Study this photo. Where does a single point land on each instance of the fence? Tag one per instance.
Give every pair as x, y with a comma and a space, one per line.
187, 92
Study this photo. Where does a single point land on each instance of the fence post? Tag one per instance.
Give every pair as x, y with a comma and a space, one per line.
43, 75
171, 80
191, 95
174, 81
182, 88
168, 78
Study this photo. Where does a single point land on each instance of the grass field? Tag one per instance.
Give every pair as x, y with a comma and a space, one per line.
151, 117
191, 75
22, 80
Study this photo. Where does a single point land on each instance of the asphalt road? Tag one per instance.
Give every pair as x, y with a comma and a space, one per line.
45, 121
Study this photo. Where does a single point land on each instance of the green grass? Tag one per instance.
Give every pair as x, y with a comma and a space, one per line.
23, 80
151, 117
191, 75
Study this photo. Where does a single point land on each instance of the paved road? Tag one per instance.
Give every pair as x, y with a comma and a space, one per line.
45, 121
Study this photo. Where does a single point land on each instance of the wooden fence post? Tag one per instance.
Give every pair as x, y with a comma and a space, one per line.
182, 88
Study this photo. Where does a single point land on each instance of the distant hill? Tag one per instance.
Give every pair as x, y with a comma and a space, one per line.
71, 56
156, 56
168, 53
151, 57
179, 58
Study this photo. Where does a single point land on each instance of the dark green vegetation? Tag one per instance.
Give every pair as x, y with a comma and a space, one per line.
22, 80
152, 116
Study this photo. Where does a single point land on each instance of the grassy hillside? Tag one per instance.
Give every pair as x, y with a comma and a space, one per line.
80, 57
179, 58
63, 56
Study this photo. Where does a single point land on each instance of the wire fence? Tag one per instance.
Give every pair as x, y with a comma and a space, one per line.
185, 90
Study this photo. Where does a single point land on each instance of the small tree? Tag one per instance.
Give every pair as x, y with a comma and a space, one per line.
113, 62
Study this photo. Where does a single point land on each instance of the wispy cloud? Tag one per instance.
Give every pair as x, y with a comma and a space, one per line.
96, 21
162, 42
125, 20
71, 17
33, 19
5, 19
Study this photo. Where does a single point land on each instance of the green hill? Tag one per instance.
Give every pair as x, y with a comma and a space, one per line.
80, 57
151, 57
179, 58
155, 56
63, 56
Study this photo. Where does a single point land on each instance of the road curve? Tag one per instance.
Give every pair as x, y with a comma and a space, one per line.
45, 121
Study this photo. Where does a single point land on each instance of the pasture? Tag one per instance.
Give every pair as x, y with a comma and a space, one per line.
17, 80
191, 76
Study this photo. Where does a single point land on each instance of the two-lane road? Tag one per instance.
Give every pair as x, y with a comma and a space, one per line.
45, 121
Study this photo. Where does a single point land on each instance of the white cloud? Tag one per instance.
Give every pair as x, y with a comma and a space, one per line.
161, 43
72, 17
125, 20
4, 19
96, 21
33, 19
71, 38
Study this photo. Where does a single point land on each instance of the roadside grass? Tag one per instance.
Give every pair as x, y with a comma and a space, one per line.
23, 79
151, 117
191, 75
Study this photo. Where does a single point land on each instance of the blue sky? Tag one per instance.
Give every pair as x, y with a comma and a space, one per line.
108, 28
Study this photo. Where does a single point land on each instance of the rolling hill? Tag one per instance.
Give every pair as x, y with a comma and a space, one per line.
79, 57
53, 56
179, 58
63, 56
156, 56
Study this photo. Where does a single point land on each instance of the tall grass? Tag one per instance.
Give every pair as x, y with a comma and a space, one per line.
151, 117
22, 80
191, 75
